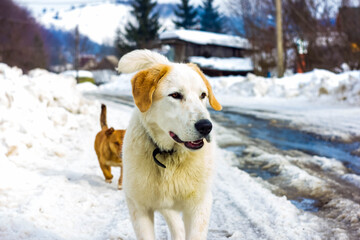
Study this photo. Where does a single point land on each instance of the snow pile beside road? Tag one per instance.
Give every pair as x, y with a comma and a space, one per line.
35, 108
118, 85
344, 87
50, 183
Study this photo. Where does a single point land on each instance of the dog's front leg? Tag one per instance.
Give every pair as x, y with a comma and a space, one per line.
175, 223
142, 220
196, 219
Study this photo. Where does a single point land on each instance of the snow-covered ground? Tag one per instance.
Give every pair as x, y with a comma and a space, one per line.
51, 186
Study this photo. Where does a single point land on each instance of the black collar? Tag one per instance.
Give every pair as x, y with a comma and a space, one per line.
158, 151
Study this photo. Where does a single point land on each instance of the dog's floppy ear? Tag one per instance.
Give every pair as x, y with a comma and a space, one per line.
144, 84
212, 100
109, 131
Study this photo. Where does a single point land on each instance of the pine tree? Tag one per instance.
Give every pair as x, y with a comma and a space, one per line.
186, 15
145, 31
211, 20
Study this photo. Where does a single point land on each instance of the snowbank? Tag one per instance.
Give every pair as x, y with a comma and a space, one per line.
314, 85
50, 183
79, 73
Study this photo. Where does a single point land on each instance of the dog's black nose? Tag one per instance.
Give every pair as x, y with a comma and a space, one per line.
203, 126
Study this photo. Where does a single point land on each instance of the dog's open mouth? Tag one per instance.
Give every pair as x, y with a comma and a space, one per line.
191, 145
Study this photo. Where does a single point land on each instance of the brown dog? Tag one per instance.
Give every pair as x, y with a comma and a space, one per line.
108, 148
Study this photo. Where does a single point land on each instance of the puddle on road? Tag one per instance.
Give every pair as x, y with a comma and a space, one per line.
285, 139
291, 139
307, 204
253, 170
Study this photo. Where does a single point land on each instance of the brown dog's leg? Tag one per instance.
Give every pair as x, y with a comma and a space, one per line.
107, 172
120, 178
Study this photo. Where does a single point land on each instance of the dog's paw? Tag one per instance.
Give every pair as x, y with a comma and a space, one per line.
119, 187
108, 180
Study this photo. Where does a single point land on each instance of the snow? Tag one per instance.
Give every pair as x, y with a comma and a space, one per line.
319, 101
206, 38
226, 64
97, 20
79, 73
52, 187
37, 8
87, 18
352, 178
50, 183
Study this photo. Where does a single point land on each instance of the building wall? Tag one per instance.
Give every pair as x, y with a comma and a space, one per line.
183, 50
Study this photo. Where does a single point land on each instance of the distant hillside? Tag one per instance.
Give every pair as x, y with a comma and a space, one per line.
99, 21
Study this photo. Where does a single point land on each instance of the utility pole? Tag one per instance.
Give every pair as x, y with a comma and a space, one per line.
279, 40
77, 52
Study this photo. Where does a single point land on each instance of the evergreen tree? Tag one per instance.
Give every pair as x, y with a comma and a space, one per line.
211, 20
121, 44
144, 32
186, 15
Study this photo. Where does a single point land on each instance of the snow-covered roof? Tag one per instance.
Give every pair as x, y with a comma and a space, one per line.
206, 38
225, 64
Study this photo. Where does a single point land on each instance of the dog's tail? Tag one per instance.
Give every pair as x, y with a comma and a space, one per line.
140, 59
103, 123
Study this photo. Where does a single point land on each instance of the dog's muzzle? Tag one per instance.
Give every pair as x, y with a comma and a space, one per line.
204, 127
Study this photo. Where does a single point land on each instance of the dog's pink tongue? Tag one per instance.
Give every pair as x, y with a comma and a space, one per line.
195, 145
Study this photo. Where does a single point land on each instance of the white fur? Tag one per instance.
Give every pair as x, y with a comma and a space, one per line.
184, 185
140, 59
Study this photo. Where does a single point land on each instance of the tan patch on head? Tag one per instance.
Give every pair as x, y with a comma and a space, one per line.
144, 84
212, 100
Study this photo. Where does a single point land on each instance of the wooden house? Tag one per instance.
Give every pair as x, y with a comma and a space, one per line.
108, 62
185, 44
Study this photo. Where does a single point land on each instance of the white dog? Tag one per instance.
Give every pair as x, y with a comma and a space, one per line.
168, 165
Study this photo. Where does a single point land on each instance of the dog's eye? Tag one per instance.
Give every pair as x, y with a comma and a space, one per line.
117, 144
176, 95
203, 95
